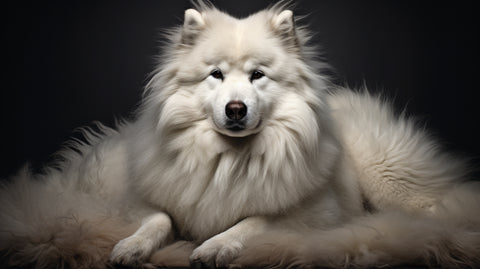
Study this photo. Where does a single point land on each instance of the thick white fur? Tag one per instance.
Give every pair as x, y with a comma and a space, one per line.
287, 190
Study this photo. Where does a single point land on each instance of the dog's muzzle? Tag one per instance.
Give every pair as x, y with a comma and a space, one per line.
235, 112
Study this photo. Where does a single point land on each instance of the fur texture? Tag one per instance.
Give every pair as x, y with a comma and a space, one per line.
244, 149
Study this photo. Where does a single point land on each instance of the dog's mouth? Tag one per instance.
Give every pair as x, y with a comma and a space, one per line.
237, 128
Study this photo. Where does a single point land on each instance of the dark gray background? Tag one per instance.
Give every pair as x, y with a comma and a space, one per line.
68, 63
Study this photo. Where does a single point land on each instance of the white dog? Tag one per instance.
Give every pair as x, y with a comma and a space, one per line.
242, 148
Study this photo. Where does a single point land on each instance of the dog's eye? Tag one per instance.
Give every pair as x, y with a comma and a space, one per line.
217, 74
257, 74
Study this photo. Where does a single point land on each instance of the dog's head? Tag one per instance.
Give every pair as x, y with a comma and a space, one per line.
240, 75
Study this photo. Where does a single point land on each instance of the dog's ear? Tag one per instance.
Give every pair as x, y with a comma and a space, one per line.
192, 26
284, 25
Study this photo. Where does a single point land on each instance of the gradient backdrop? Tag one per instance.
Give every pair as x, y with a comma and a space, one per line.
69, 63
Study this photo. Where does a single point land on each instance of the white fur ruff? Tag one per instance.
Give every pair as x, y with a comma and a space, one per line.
296, 172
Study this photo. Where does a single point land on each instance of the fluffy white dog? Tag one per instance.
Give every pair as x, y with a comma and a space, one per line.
242, 148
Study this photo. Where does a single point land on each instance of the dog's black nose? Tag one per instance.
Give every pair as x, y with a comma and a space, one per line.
236, 110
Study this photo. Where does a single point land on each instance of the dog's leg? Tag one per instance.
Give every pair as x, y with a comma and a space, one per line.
135, 249
221, 249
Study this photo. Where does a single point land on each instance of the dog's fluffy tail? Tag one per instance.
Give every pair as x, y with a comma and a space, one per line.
47, 223
448, 237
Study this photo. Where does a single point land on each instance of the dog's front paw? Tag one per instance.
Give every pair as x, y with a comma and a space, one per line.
132, 251
216, 252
